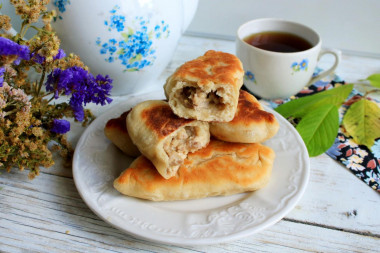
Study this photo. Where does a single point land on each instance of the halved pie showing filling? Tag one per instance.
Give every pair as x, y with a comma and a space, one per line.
206, 88
163, 137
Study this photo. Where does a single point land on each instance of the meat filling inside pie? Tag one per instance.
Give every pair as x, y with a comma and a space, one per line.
185, 140
194, 97
163, 137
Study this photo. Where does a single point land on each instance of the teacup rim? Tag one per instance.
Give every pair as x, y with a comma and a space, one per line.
314, 47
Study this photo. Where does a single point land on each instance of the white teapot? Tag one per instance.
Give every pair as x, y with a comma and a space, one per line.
132, 41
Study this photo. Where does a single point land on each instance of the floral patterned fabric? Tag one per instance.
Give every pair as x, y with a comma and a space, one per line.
363, 161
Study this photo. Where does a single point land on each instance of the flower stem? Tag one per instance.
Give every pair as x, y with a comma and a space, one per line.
12, 111
371, 91
25, 30
51, 99
41, 81
22, 32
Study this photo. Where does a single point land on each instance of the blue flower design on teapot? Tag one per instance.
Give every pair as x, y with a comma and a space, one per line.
134, 48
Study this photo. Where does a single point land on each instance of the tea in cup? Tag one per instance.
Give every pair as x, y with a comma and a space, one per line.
279, 57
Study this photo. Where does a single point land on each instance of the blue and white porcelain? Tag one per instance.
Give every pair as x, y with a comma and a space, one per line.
132, 41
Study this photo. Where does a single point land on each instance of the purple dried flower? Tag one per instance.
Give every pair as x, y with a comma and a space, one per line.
82, 86
60, 126
2, 71
17, 61
41, 59
38, 58
78, 112
9, 47
102, 90
52, 79
60, 54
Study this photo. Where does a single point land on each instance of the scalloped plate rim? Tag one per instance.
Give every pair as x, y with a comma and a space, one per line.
278, 215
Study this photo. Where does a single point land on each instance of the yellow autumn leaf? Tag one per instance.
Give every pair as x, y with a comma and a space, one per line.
362, 122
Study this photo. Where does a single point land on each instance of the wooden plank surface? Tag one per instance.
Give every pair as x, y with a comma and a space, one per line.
48, 215
338, 212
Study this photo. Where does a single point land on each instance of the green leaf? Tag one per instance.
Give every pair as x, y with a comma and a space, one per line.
374, 80
300, 107
362, 122
319, 129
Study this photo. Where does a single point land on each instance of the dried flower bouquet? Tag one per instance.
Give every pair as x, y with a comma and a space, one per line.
33, 122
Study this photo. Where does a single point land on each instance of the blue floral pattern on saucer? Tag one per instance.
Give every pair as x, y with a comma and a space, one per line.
135, 47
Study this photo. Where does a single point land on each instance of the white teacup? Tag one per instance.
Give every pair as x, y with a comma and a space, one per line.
271, 74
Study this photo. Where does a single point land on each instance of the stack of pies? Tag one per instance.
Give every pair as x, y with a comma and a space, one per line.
204, 141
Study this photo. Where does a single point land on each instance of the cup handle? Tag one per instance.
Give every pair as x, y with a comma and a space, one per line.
336, 54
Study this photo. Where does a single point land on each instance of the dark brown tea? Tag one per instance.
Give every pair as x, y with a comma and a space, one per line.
278, 42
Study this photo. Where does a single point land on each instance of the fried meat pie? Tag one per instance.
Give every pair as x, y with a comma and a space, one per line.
163, 137
206, 88
251, 123
116, 131
221, 168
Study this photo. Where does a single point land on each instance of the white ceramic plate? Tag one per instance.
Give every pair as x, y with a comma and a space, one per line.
97, 162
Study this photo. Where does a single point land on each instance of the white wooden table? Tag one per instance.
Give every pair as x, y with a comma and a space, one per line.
337, 213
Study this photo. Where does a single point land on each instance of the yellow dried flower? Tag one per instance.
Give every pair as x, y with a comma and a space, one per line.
37, 131
5, 22
33, 146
